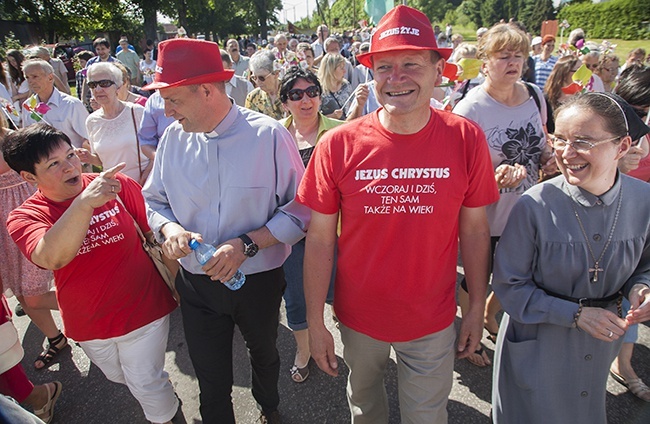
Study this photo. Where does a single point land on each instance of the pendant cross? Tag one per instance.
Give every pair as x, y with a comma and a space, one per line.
596, 269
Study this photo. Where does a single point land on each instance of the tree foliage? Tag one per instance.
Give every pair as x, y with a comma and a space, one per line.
614, 19
436, 10
346, 13
488, 12
62, 19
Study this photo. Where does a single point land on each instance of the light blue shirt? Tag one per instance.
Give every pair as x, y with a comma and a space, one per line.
153, 122
67, 114
241, 176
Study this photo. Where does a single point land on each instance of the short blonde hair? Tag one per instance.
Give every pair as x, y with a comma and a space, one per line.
502, 37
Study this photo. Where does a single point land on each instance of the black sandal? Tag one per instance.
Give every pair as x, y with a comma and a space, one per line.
55, 345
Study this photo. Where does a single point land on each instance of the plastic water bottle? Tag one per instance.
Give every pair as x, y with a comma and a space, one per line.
203, 252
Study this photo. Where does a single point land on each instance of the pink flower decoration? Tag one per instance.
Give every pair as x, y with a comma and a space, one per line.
42, 108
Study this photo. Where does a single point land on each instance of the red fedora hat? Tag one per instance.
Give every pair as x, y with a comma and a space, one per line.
403, 28
185, 61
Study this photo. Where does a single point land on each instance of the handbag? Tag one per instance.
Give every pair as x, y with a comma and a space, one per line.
167, 268
11, 351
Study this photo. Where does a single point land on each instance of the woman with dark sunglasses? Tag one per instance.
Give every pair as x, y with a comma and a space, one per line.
112, 129
300, 93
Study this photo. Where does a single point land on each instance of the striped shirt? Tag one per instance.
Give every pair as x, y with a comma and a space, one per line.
543, 69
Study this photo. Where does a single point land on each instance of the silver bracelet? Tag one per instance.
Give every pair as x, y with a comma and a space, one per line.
576, 316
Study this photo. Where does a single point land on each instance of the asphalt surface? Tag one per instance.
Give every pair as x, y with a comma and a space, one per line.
88, 397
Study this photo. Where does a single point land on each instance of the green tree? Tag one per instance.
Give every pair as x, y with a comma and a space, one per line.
492, 12
347, 13
535, 12
472, 9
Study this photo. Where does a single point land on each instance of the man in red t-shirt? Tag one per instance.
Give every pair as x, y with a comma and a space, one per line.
409, 182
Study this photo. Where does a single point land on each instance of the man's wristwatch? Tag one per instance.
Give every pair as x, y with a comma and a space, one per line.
250, 248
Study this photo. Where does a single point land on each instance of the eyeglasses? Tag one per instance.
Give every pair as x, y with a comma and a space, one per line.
591, 66
261, 78
102, 83
578, 145
297, 94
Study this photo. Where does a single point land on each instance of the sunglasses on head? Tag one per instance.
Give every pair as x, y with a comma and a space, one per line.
102, 83
296, 94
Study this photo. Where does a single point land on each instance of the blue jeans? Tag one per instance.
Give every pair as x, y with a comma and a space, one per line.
294, 295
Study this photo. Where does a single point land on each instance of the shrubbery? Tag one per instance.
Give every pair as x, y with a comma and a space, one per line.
624, 19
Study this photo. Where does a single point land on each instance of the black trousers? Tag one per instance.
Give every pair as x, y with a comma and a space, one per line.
210, 313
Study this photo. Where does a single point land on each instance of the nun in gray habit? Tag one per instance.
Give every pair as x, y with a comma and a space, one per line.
571, 248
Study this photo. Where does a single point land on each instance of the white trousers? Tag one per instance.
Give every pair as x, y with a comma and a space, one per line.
137, 359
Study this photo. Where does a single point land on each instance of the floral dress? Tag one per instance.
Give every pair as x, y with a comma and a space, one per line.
259, 101
19, 276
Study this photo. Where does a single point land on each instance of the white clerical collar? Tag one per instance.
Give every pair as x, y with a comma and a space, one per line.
226, 122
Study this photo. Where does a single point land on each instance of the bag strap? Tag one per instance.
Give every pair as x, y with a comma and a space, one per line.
463, 92
137, 227
137, 140
533, 94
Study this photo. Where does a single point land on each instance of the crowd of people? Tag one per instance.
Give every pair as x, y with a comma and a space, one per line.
310, 165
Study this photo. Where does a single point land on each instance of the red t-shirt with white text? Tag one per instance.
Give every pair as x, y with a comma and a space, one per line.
400, 198
111, 287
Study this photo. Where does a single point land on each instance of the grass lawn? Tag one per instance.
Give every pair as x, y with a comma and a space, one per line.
623, 47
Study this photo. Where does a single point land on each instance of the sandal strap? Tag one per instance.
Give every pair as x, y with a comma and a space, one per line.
57, 339
299, 374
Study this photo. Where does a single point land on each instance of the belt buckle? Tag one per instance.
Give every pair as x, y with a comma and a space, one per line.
583, 301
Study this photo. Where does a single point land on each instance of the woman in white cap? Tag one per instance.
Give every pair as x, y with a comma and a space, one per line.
573, 246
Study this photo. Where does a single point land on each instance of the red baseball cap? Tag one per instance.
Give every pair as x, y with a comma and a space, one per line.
403, 28
185, 61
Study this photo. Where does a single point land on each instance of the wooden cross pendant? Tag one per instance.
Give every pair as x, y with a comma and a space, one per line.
596, 269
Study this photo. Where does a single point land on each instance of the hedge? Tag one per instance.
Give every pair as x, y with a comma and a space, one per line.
623, 19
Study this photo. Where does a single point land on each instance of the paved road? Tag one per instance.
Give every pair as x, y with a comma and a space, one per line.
89, 398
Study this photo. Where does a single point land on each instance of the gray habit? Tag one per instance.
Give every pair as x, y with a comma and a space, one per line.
546, 371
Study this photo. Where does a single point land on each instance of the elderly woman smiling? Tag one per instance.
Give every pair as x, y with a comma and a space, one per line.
112, 128
572, 247
111, 297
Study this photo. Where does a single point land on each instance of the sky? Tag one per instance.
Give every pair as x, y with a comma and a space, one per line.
295, 10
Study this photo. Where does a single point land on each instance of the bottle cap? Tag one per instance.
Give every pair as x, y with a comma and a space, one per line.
194, 244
